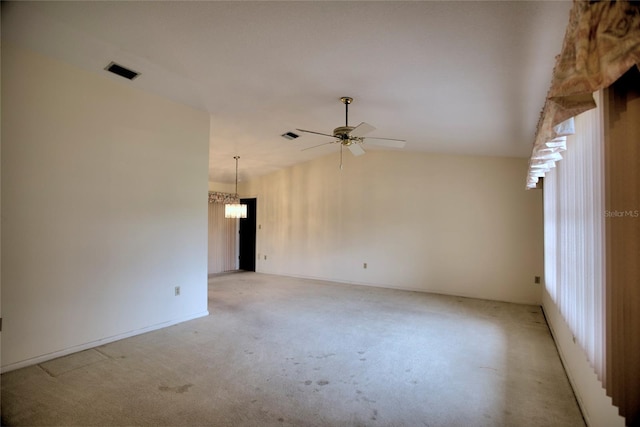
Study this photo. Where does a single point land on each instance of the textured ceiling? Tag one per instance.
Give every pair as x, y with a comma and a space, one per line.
449, 76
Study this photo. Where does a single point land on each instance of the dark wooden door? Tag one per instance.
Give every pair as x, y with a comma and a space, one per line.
247, 231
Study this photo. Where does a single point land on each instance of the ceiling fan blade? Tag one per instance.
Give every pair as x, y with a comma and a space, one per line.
319, 145
356, 149
386, 142
387, 139
362, 129
317, 133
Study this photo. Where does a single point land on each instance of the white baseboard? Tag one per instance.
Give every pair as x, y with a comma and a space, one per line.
595, 405
96, 343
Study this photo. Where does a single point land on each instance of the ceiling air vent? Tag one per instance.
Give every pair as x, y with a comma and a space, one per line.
122, 71
290, 135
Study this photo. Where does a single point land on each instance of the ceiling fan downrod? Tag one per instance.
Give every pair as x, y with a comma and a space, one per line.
346, 100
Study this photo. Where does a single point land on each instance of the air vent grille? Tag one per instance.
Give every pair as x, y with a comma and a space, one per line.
122, 71
290, 135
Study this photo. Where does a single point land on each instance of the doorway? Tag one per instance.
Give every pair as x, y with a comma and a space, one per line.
247, 250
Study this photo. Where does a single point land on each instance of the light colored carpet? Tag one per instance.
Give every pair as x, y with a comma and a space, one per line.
280, 351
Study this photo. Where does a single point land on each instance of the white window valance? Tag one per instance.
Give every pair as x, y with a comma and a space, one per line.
545, 156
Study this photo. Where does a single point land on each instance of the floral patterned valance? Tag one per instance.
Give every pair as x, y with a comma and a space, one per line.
601, 43
218, 197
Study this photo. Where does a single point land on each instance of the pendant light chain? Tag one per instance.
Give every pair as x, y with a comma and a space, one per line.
236, 157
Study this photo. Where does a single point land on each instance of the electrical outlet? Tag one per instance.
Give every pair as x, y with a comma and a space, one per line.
177, 290
364, 265
536, 280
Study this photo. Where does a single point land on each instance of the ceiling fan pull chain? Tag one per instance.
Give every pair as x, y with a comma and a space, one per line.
341, 150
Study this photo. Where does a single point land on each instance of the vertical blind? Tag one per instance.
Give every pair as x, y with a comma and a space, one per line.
574, 235
223, 240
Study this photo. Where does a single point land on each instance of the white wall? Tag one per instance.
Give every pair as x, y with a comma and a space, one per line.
104, 209
222, 187
595, 404
448, 224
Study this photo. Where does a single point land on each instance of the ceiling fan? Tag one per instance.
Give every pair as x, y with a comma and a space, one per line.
353, 137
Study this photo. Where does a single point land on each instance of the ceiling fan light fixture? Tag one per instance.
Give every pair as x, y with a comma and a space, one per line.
235, 210
354, 137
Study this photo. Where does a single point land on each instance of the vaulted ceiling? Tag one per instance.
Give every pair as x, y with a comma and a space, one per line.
449, 76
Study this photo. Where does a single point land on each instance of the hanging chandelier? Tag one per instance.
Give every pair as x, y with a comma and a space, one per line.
235, 210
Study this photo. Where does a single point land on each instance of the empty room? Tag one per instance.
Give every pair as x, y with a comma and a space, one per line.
320, 213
